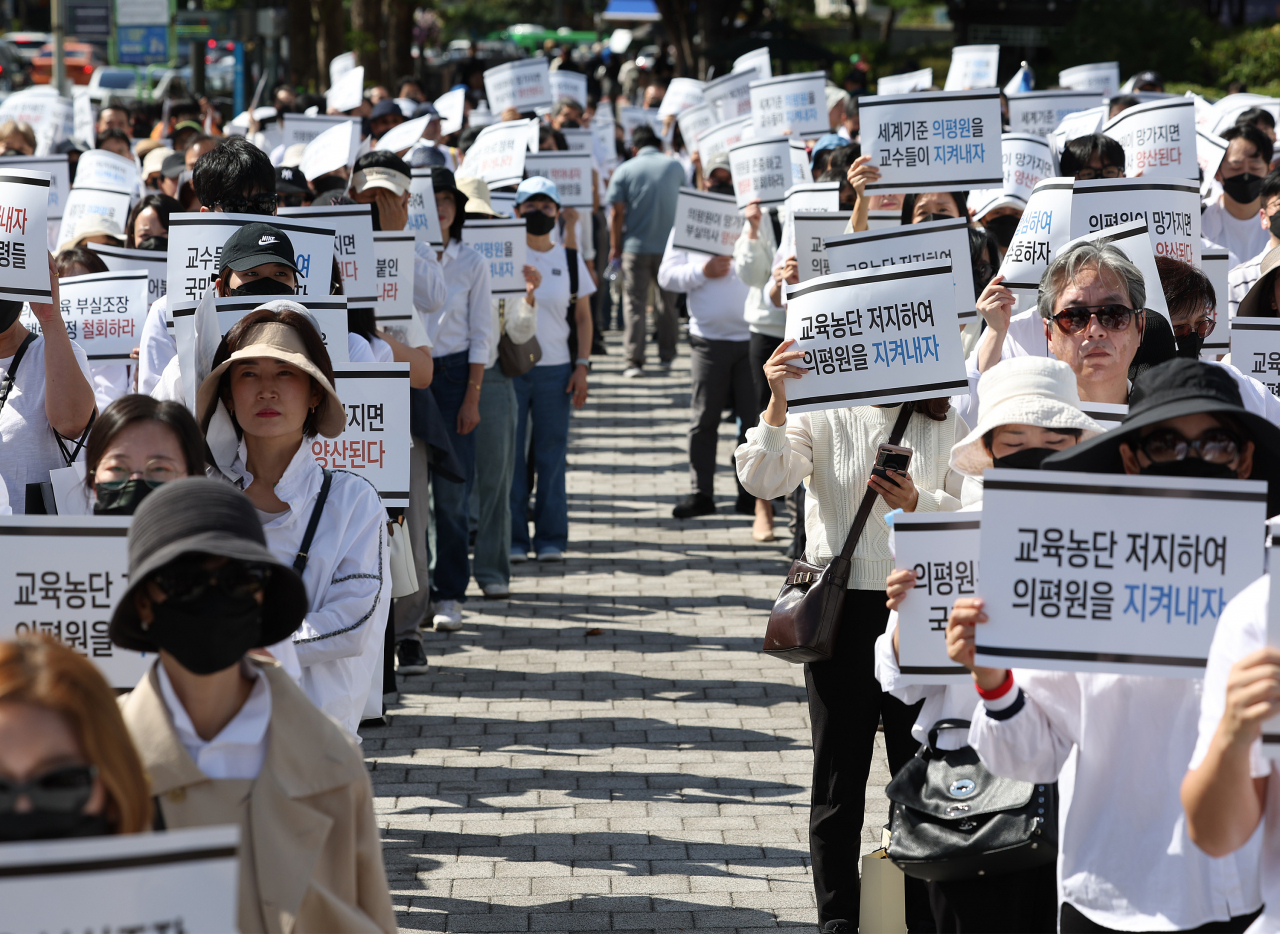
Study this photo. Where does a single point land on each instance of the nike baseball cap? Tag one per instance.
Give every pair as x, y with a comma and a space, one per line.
255, 245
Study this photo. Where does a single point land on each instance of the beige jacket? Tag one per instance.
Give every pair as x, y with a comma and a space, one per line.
310, 854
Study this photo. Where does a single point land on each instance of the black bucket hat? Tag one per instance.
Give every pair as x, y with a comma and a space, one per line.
1172, 389
1256, 302
442, 180
202, 516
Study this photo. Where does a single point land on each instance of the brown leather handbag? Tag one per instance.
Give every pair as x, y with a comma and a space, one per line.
806, 616
515, 359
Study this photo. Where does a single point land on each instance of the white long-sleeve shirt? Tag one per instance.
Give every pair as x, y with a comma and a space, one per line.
716, 306
463, 318
156, 347
753, 263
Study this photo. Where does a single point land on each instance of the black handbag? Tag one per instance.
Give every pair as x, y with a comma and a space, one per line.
951, 819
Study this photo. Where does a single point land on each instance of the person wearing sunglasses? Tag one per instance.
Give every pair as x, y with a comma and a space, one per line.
1094, 156
67, 765
1193, 304
224, 734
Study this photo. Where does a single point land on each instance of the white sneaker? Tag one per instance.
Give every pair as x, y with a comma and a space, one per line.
551, 554
632, 372
448, 616
496, 591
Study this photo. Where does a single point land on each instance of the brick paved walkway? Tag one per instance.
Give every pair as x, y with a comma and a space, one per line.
608, 750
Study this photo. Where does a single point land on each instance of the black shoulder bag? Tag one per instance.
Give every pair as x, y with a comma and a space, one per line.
300, 561
571, 313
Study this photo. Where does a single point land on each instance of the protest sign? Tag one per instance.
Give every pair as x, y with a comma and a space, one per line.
1159, 139
603, 135
497, 155
352, 244
930, 241
340, 66
24, 205
347, 92
566, 84
451, 106
795, 103
580, 140
692, 121
1101, 77
1134, 240
154, 262
85, 205
394, 262
331, 150
1223, 114
813, 196
101, 168
875, 337
1041, 112
423, 221
299, 129
630, 118
1271, 727
706, 222
503, 244
62, 578
1112, 573
571, 172
328, 313
762, 169
1107, 414
1045, 226
811, 229
972, 66
681, 94
1255, 349
375, 442
1170, 208
942, 548
523, 84
756, 60
801, 168
180, 881
947, 141
1210, 151
59, 177
1215, 263
50, 116
879, 220
729, 96
920, 80
1028, 160
102, 311
1081, 123
403, 135
504, 202
195, 251
719, 138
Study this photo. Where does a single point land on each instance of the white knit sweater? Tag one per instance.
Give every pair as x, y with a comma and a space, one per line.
834, 451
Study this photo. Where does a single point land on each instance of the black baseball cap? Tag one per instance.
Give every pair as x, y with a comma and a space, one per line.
386, 108
291, 181
255, 245
174, 165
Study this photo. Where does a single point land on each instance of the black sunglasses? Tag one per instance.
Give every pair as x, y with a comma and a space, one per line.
64, 790
1215, 446
1203, 327
254, 204
1113, 317
187, 581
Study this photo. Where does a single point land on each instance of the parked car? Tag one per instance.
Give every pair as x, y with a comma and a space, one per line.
81, 59
107, 82
29, 44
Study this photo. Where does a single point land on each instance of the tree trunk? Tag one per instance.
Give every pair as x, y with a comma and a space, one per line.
366, 24
302, 48
399, 20
331, 38
886, 30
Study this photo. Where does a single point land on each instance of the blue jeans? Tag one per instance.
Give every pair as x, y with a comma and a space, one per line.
495, 459
452, 569
540, 396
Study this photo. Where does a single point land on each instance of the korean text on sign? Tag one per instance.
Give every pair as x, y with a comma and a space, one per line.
706, 223
1170, 207
942, 549
24, 207
103, 311
1159, 139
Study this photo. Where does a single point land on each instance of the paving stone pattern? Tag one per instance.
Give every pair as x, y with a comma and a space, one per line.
609, 750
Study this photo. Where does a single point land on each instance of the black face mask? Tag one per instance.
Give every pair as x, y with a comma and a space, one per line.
264, 285
1274, 225
121, 502
722, 188
1002, 228
1243, 188
536, 223
1189, 345
9, 313
51, 825
1191, 467
159, 244
209, 634
1026, 459
936, 217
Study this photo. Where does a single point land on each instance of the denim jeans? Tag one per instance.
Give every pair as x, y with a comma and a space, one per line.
452, 568
495, 462
541, 399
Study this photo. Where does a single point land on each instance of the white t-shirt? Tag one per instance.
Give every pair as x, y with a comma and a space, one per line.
552, 297
28, 446
1244, 238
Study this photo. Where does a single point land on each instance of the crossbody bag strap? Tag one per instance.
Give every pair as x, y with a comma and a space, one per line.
869, 497
6, 385
300, 562
70, 456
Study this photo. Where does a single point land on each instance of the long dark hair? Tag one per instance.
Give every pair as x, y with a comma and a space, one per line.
961, 199
163, 205
134, 408
362, 321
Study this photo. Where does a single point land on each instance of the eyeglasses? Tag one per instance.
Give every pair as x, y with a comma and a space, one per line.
1112, 317
1202, 326
254, 204
155, 473
187, 581
1107, 171
1215, 446
64, 790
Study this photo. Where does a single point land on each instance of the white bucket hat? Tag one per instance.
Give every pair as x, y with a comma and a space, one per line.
1036, 391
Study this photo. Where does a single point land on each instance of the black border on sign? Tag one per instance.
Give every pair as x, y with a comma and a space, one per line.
38, 182
370, 374
282, 223
939, 526
955, 183
896, 390
1056, 92
33, 293
942, 98
81, 531
958, 223
1050, 487
1160, 105
883, 277
711, 196
926, 670
1137, 186
1175, 661
1238, 325
119, 862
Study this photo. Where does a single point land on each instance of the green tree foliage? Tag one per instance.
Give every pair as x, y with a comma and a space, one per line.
1173, 38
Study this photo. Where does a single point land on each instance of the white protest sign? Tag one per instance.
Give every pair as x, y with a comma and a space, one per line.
328, 313
811, 228
571, 172
1159, 139
24, 231
100, 168
102, 311
762, 169
82, 116
1210, 151
340, 66
801, 167
571, 85
604, 136
375, 442
729, 96
62, 578
1028, 160
797, 103
59, 177
299, 129
875, 337
879, 220
1045, 226
920, 80
928, 242
1041, 112
497, 155
195, 251
1134, 240
504, 202
756, 60
451, 106
403, 135
331, 150
942, 548
814, 196
50, 116
693, 122
503, 244
352, 244
1255, 349
180, 880
153, 262
947, 141
580, 139
423, 221
1271, 727
1216, 264
972, 66
1112, 573
1081, 123
394, 261
92, 204
1223, 114
706, 222
682, 93
720, 137
1102, 77
523, 84
347, 92
631, 118
1170, 207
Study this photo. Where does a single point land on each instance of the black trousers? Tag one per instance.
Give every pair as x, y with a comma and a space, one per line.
762, 348
720, 378
845, 706
1016, 903
1073, 922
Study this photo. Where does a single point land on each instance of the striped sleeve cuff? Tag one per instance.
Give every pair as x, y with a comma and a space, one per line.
1003, 708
